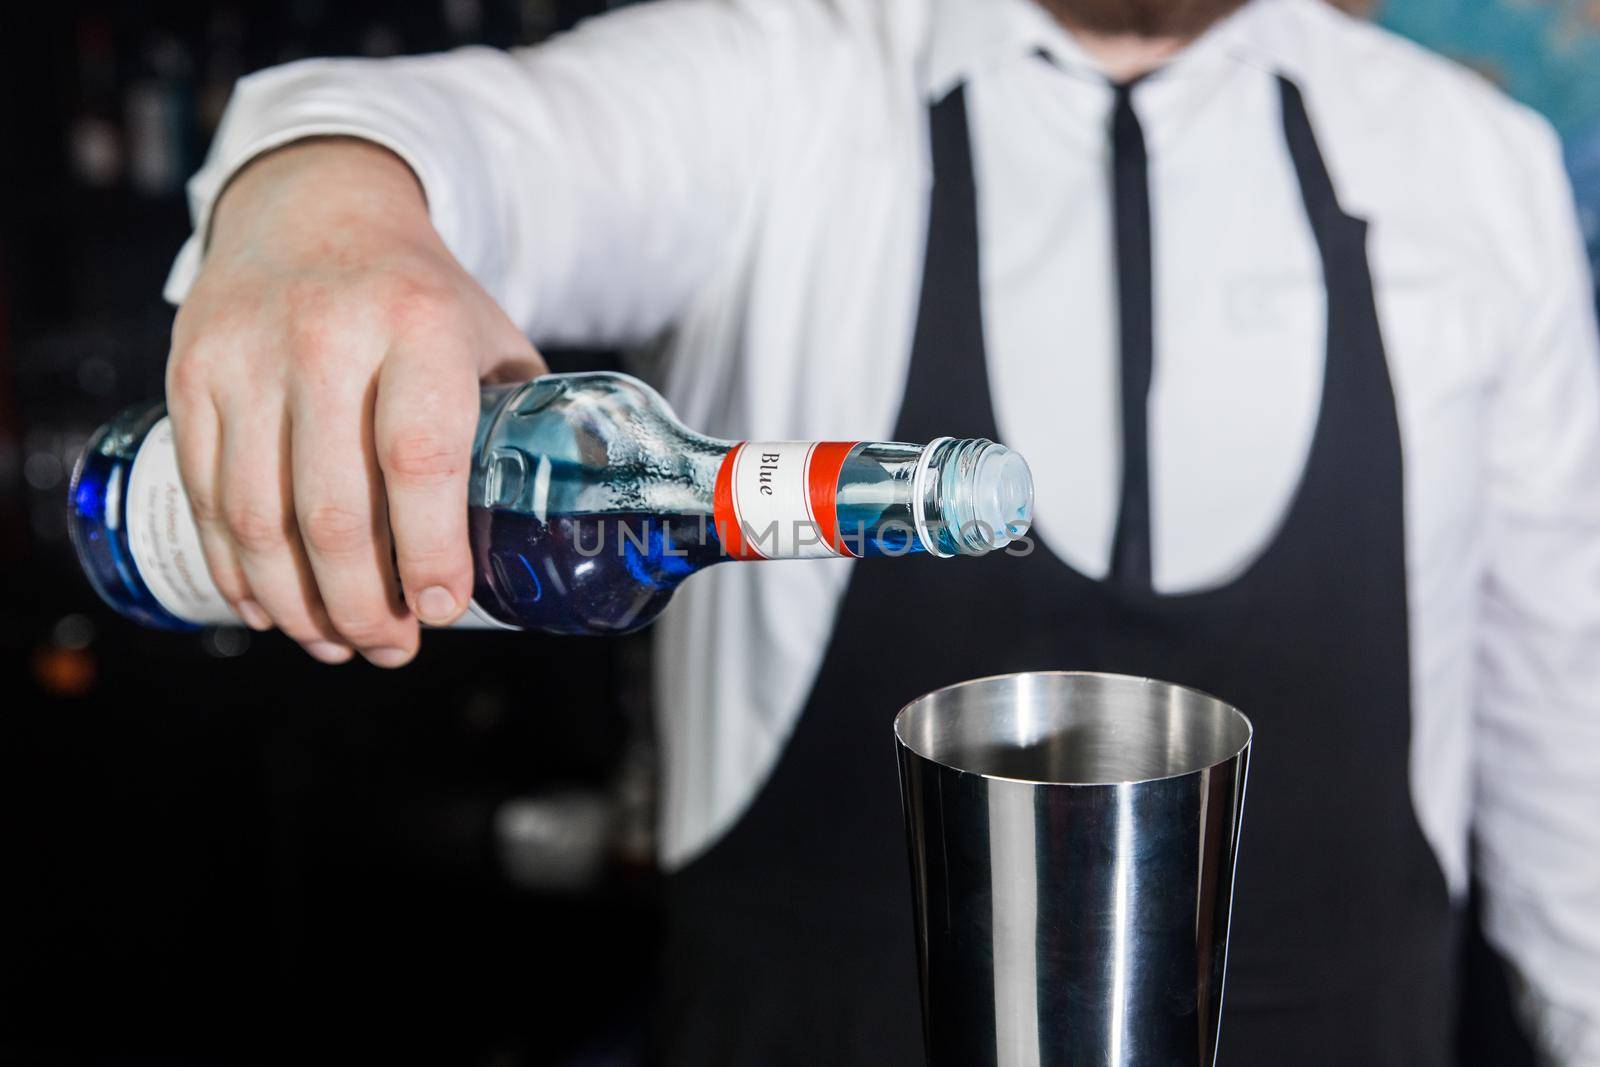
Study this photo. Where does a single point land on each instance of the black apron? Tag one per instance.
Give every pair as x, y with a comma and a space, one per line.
790, 941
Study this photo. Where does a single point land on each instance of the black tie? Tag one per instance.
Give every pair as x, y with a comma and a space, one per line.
1130, 195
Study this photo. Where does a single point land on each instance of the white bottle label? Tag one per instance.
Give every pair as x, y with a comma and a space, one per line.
165, 541
776, 500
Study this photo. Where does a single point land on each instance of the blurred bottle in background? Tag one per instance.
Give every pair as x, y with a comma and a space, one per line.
160, 111
94, 132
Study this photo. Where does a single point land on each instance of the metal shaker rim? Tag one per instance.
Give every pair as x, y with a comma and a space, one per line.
914, 722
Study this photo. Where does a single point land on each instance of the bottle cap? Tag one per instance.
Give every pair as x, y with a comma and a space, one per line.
1002, 495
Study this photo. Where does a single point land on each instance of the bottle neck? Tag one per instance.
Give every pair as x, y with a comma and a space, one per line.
786, 500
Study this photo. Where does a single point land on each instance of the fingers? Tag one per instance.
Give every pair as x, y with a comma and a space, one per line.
196, 435
425, 418
342, 520
258, 513
324, 432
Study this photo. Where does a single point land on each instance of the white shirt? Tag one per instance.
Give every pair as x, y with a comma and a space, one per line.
740, 187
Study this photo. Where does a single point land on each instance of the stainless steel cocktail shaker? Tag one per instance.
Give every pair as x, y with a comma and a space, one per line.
1072, 843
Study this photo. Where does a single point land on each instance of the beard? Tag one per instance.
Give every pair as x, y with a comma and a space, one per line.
1141, 18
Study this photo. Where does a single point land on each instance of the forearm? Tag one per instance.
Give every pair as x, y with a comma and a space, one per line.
1538, 715
368, 135
590, 185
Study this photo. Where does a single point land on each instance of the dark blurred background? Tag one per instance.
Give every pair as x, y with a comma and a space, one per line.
215, 851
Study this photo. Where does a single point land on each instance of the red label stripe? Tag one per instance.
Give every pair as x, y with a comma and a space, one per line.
812, 499
822, 486
724, 512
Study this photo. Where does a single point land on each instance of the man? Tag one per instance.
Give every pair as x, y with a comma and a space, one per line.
1290, 318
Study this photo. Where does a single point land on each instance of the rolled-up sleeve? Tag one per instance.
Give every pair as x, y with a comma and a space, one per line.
589, 183
1538, 741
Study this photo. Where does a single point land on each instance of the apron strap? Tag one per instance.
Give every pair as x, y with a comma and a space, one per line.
947, 382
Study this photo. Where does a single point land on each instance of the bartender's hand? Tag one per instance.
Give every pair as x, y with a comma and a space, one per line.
323, 386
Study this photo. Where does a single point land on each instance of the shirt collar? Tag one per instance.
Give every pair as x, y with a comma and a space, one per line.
968, 36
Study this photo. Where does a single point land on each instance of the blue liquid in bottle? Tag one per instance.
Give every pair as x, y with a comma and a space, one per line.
97, 519
610, 573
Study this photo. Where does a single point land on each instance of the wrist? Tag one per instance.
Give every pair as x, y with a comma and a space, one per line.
330, 182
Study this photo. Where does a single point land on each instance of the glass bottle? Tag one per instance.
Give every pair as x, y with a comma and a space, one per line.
589, 503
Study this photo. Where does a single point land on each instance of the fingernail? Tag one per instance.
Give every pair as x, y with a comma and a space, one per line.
387, 657
435, 604
252, 615
329, 652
